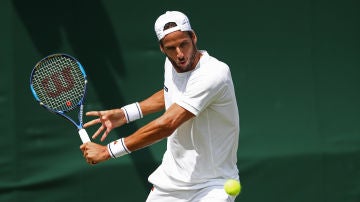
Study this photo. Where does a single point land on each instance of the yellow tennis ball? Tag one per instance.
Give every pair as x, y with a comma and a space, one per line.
232, 187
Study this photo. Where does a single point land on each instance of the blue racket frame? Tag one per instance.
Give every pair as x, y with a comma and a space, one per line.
79, 105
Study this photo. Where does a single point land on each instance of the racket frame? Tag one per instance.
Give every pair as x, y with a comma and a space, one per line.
82, 132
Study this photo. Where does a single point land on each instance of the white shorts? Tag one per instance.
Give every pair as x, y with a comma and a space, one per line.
207, 194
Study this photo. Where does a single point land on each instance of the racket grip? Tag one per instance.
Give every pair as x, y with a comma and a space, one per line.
84, 136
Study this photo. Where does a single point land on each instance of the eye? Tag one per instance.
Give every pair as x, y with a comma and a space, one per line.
184, 44
170, 48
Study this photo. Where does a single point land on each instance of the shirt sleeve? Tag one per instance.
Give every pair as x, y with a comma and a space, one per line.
202, 89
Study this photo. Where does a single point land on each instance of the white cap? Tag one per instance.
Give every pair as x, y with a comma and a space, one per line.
182, 22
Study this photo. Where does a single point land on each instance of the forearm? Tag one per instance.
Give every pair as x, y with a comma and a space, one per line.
158, 129
149, 134
145, 136
154, 103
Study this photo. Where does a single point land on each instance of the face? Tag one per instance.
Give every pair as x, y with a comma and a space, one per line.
181, 50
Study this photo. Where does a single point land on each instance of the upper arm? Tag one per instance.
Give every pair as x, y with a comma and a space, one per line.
174, 116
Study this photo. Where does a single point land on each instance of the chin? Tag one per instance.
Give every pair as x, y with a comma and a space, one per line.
184, 69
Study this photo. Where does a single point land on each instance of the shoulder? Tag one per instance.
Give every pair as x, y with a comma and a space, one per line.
213, 69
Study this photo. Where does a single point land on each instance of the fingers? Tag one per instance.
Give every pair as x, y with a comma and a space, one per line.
91, 162
95, 121
105, 135
103, 120
94, 113
99, 130
92, 122
84, 148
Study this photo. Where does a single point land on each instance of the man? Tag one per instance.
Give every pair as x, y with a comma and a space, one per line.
201, 121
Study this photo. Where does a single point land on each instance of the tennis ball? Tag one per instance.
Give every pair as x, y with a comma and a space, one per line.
232, 187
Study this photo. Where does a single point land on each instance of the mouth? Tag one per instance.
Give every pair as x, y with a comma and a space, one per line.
182, 62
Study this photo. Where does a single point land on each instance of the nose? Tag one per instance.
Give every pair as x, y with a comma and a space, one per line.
179, 53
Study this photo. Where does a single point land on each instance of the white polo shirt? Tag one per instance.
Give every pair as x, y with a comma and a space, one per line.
202, 151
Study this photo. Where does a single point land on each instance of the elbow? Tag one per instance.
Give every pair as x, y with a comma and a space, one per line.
166, 126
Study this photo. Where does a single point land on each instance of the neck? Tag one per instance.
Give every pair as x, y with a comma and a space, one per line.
197, 57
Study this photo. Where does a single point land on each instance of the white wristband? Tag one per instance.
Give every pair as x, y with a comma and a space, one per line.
118, 148
132, 112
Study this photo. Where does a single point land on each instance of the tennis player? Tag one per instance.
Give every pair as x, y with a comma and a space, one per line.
200, 122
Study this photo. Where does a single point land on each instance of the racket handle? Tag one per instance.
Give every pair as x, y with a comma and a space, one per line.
84, 136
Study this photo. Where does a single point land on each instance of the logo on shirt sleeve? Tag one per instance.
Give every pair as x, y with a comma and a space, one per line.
165, 88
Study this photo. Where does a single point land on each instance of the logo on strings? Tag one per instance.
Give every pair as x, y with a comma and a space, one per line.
58, 83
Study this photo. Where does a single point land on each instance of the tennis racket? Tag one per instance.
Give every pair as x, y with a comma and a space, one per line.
58, 83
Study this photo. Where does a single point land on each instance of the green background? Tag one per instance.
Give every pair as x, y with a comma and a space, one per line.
295, 66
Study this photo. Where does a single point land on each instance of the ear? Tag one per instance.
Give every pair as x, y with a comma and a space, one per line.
194, 37
161, 48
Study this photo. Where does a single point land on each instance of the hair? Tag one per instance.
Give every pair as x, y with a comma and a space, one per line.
173, 24
169, 25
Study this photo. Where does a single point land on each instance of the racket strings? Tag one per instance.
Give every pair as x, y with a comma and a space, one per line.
59, 83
